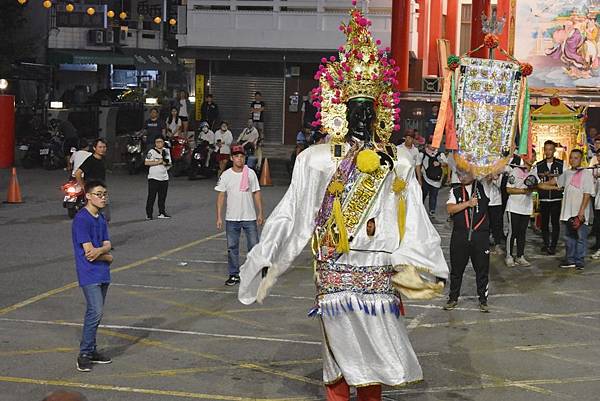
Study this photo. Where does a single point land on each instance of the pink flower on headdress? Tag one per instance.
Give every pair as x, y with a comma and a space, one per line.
318, 114
393, 62
362, 21
355, 41
375, 76
341, 48
396, 127
342, 27
353, 2
387, 49
332, 58
359, 56
317, 104
324, 60
358, 77
378, 42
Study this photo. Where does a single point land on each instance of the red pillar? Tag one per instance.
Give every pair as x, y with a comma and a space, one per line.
401, 39
423, 30
7, 131
435, 33
452, 21
505, 10
478, 7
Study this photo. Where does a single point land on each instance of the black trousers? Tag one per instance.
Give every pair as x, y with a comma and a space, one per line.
550, 212
496, 223
156, 187
518, 224
596, 227
461, 250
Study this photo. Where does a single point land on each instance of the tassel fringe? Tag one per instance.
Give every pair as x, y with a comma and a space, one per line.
336, 307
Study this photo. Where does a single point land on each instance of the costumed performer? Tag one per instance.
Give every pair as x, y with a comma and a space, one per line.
360, 205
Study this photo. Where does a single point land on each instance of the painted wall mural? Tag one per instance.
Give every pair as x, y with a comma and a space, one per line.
561, 40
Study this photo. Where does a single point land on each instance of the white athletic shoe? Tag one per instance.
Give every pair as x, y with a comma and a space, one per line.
521, 261
510, 262
596, 255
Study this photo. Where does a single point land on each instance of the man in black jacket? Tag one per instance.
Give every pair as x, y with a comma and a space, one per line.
550, 201
210, 112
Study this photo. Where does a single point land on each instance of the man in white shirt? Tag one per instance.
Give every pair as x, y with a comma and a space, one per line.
78, 157
240, 184
431, 161
519, 208
411, 151
578, 185
158, 161
249, 137
492, 184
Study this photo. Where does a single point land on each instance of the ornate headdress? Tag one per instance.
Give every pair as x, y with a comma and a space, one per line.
361, 71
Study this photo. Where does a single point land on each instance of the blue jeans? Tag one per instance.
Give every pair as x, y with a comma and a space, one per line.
233, 229
432, 191
95, 295
576, 247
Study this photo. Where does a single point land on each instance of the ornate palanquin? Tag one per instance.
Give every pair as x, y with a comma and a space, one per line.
561, 124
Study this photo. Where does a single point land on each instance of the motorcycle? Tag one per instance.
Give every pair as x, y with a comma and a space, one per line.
135, 156
180, 149
31, 151
203, 161
52, 150
74, 197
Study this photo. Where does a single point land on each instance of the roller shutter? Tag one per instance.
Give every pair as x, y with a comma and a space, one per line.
233, 94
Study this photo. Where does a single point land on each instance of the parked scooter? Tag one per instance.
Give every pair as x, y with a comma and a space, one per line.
52, 151
74, 197
203, 161
31, 148
135, 155
180, 154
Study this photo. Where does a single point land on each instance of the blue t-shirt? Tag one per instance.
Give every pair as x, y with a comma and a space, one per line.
87, 228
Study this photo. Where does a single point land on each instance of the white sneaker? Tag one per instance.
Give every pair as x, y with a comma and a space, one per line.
596, 255
510, 262
521, 261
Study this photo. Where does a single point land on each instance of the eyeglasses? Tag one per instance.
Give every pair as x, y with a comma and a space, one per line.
100, 194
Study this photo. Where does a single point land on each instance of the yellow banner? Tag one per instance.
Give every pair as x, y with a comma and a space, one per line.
199, 95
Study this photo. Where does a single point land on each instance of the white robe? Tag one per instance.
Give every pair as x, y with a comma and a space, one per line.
364, 348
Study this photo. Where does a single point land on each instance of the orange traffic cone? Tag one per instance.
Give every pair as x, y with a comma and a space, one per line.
265, 175
14, 192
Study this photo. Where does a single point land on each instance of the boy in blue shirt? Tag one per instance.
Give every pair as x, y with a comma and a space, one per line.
91, 246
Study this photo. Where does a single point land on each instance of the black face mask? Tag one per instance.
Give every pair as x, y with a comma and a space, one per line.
360, 115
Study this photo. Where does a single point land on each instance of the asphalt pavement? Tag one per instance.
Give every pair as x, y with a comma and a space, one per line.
175, 332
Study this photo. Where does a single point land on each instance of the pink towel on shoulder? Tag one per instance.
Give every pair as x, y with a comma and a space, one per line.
245, 183
577, 179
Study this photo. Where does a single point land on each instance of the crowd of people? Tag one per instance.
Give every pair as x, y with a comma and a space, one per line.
549, 196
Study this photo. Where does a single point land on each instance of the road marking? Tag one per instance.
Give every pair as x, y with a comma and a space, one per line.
242, 365
38, 351
132, 265
201, 311
508, 383
121, 389
206, 290
169, 331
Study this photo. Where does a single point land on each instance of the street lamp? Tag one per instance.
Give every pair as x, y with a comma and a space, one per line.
3, 85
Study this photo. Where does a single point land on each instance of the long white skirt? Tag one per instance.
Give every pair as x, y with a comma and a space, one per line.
366, 348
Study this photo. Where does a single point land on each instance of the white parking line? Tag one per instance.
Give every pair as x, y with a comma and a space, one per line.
170, 331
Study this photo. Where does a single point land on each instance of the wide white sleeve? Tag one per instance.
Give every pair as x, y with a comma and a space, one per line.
421, 245
287, 230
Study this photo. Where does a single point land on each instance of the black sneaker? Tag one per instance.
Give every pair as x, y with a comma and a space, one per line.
232, 280
99, 358
483, 307
552, 250
567, 265
149, 218
84, 363
450, 305
545, 249
580, 268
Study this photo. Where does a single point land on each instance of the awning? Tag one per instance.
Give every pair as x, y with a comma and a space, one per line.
88, 57
152, 59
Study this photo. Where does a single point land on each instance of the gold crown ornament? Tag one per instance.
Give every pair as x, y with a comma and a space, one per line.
361, 70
